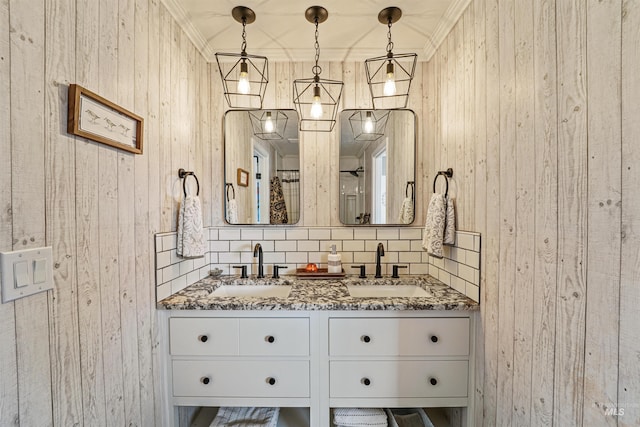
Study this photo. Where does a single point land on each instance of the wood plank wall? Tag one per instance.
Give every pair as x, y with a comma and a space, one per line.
536, 107
85, 353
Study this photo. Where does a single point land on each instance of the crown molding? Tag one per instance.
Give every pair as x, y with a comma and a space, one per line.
182, 18
446, 24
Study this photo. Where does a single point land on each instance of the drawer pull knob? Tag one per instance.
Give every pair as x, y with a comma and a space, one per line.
205, 380
366, 338
203, 338
433, 381
366, 381
434, 338
270, 338
271, 381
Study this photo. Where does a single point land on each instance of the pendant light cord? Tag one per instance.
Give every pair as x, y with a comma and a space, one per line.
316, 68
244, 36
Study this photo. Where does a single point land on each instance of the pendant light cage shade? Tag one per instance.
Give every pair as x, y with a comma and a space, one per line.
305, 94
368, 125
268, 125
256, 72
403, 67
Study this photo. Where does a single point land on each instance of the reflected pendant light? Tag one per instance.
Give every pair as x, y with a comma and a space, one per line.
268, 124
368, 125
244, 76
317, 99
390, 76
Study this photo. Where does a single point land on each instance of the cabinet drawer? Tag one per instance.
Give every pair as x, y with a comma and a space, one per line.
274, 337
389, 379
241, 378
203, 337
399, 337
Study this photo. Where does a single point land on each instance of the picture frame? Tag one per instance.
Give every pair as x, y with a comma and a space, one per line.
98, 119
243, 178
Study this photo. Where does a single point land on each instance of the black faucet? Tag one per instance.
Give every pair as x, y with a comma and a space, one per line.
379, 253
257, 252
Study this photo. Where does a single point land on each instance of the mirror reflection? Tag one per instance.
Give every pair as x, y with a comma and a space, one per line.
262, 167
377, 166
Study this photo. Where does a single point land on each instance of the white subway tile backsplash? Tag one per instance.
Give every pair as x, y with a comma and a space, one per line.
229, 234
372, 245
409, 257
308, 245
317, 257
353, 245
219, 246
390, 258
171, 272
451, 266
251, 234
325, 245
239, 246
416, 246
169, 242
388, 233
398, 245
229, 257
285, 246
178, 284
466, 272
438, 262
274, 257
163, 291
419, 268
364, 233
297, 257
274, 234
410, 233
193, 276
267, 245
473, 259
364, 257
158, 241
473, 292
476, 243
464, 240
347, 257
247, 257
213, 234
163, 259
342, 233
186, 266
297, 234
458, 284
319, 234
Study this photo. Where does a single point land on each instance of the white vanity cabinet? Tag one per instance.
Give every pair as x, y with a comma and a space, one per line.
400, 359
318, 360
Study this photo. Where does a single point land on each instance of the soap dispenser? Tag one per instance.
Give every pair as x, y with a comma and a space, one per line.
334, 264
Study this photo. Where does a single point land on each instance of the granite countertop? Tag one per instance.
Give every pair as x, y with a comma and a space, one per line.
329, 294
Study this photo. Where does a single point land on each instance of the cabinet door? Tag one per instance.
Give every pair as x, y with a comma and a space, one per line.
232, 378
399, 337
203, 337
274, 337
398, 379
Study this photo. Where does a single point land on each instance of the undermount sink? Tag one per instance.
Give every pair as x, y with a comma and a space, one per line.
386, 291
253, 291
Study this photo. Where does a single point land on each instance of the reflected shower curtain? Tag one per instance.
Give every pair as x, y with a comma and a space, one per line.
291, 189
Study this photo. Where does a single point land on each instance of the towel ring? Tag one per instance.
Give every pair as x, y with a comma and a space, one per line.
447, 174
183, 174
406, 190
230, 186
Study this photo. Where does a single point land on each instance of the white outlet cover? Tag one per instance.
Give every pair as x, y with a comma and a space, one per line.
10, 291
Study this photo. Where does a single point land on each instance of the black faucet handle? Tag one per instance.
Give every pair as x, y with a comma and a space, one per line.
243, 274
395, 268
362, 271
276, 270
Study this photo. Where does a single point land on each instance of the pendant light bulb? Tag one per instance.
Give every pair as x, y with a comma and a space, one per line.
390, 83
268, 123
316, 105
368, 123
243, 82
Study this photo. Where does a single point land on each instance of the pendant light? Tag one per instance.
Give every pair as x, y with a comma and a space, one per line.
317, 99
244, 76
368, 125
268, 124
390, 76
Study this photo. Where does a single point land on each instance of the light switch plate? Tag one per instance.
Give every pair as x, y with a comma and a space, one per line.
26, 272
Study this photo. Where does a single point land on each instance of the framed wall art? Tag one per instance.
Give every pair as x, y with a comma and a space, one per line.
243, 178
93, 117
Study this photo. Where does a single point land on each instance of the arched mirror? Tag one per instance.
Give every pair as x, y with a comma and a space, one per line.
377, 167
261, 167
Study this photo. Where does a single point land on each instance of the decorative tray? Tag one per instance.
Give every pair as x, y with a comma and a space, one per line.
322, 273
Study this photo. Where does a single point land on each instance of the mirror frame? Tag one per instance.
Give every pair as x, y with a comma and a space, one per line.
225, 168
415, 166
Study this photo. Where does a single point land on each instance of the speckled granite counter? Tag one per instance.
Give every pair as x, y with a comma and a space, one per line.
317, 295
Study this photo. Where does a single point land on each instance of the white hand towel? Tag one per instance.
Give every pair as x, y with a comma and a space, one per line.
450, 224
356, 417
191, 243
246, 417
406, 211
434, 226
232, 211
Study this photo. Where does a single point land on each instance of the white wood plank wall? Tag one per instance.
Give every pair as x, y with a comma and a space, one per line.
533, 105
552, 111
85, 353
